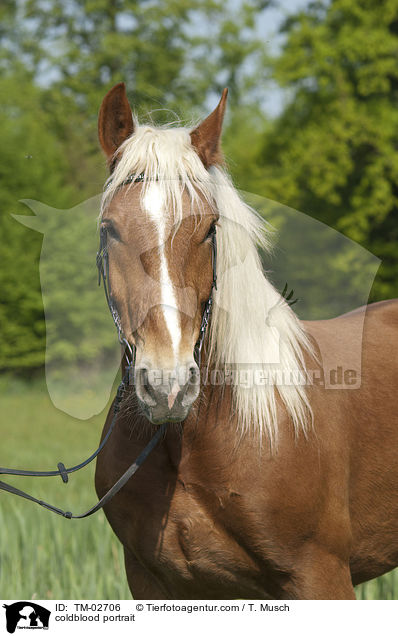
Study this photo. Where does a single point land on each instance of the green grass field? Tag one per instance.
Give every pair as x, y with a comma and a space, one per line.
42, 555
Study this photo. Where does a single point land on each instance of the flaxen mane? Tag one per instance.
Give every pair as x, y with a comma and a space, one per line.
255, 338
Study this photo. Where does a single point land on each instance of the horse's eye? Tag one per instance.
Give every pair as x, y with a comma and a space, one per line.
212, 230
111, 231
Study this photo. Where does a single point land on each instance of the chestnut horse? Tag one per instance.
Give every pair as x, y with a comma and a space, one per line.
261, 488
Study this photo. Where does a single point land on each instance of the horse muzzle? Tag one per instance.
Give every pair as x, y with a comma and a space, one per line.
167, 395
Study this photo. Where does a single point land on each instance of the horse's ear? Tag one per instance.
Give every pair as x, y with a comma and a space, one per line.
115, 120
206, 137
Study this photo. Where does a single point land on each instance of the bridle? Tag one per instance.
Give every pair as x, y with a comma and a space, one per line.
103, 274
130, 355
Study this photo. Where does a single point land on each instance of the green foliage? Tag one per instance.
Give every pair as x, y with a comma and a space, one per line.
171, 54
32, 164
333, 152
58, 59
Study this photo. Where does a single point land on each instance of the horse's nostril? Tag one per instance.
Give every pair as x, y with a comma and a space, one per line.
168, 389
193, 374
191, 388
143, 387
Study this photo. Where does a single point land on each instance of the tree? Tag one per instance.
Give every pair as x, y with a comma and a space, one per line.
57, 60
32, 165
172, 54
333, 152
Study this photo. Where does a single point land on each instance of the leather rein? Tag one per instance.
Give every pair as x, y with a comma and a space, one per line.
130, 354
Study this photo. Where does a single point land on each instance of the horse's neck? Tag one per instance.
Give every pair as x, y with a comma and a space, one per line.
211, 429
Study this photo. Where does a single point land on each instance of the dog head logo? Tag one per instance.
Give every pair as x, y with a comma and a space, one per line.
26, 615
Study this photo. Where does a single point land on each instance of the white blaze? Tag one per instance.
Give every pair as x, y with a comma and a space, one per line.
154, 206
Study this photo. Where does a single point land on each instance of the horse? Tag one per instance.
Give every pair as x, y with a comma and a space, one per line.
266, 489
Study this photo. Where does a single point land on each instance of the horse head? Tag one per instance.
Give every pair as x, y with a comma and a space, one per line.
159, 220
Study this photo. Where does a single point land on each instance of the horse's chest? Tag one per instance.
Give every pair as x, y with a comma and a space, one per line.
192, 525
192, 545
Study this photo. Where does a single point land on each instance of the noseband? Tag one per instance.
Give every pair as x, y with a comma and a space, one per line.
130, 355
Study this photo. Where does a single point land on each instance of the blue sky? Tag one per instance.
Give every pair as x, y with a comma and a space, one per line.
269, 22
268, 26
